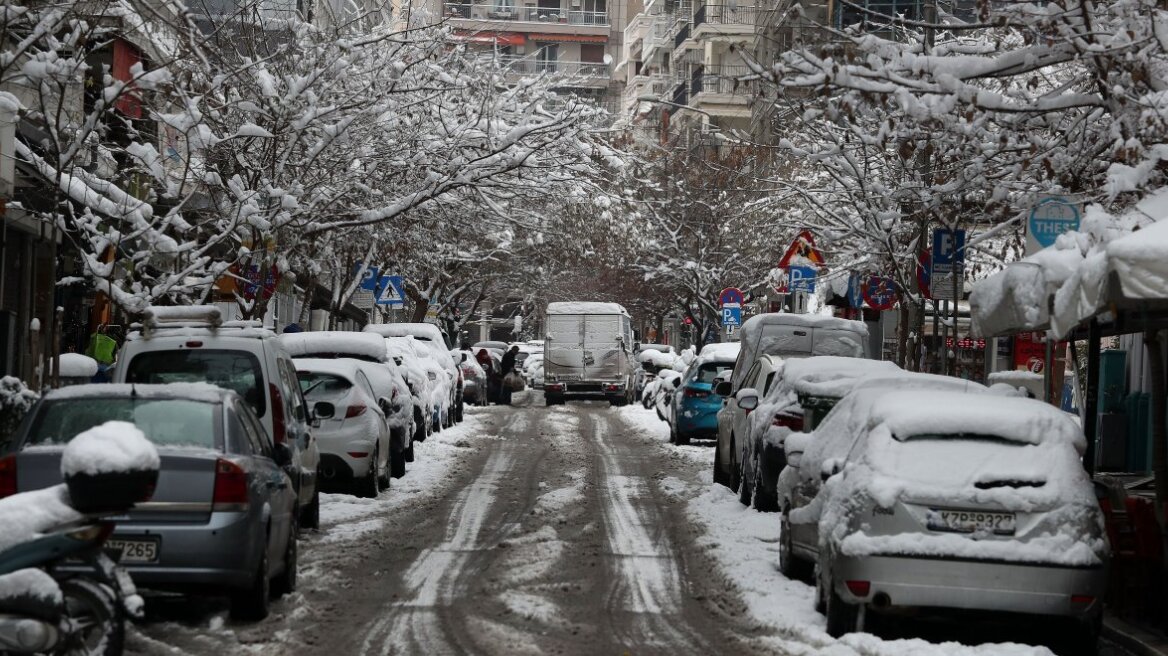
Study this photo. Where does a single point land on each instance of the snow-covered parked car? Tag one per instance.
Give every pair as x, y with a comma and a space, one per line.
353, 436
427, 379
223, 514
651, 358
659, 392
532, 370
390, 393
192, 343
955, 501
474, 377
695, 405
436, 346
779, 413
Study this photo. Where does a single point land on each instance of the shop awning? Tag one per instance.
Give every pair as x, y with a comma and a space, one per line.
491, 38
569, 38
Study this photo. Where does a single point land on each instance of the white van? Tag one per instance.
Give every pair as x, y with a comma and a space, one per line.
187, 344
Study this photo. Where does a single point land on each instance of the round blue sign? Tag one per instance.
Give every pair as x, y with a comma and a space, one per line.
1052, 217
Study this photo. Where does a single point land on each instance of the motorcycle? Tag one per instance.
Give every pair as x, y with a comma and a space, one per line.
60, 592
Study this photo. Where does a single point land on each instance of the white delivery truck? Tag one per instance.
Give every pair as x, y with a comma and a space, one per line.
587, 352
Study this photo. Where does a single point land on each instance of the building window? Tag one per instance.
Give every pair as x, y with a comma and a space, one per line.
877, 11
547, 56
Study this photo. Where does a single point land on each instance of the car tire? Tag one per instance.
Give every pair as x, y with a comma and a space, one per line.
383, 480
253, 603
96, 607
763, 501
735, 481
841, 616
285, 583
672, 433
420, 426
310, 514
745, 486
790, 565
719, 475
408, 454
369, 485
397, 464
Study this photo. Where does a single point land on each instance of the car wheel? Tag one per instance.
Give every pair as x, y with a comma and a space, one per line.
735, 470
397, 464
285, 583
763, 500
841, 616
1081, 637
253, 603
95, 609
790, 565
408, 454
745, 484
310, 514
672, 433
383, 480
369, 485
420, 427
719, 475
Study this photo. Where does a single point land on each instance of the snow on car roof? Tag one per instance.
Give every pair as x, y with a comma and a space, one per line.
759, 321
657, 358
204, 392
423, 331
721, 350
922, 412
339, 342
585, 307
76, 365
830, 375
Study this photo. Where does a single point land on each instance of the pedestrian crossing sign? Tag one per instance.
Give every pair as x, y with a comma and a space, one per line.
391, 291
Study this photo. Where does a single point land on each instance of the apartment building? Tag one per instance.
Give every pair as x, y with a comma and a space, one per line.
580, 40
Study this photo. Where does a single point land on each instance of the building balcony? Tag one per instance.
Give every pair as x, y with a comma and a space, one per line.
725, 19
524, 14
577, 72
719, 91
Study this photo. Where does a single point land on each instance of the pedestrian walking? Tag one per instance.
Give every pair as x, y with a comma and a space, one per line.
507, 370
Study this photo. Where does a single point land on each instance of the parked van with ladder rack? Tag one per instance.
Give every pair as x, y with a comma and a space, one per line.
193, 343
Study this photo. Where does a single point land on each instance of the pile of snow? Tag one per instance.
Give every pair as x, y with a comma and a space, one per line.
15, 401
76, 365
1028, 381
362, 346
720, 352
658, 359
585, 307
30, 514
115, 446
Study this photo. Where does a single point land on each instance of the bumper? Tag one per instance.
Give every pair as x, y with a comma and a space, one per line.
974, 585
219, 554
335, 446
697, 419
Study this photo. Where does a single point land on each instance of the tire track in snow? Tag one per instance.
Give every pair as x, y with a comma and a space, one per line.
646, 598
415, 625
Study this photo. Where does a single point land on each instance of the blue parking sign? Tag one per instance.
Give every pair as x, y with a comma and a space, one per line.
801, 279
731, 315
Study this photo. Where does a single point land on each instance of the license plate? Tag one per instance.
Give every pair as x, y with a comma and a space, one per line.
971, 521
133, 550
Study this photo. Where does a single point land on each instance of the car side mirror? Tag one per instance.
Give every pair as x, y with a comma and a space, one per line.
722, 388
676, 382
747, 399
282, 454
324, 410
463, 358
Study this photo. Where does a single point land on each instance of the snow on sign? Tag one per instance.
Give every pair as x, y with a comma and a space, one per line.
391, 291
948, 273
1051, 217
731, 296
364, 296
802, 252
880, 293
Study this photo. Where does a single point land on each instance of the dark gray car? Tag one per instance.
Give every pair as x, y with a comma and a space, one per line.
222, 518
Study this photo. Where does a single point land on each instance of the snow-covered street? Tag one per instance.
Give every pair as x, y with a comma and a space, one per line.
574, 529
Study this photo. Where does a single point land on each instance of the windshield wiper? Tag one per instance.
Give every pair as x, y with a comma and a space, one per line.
1008, 482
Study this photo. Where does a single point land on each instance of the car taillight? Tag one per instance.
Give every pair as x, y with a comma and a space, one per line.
692, 393
1082, 599
278, 427
230, 486
7, 476
784, 420
355, 410
859, 588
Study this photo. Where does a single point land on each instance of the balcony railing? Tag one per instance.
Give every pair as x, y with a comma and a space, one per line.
681, 95
530, 65
525, 14
718, 79
725, 15
681, 36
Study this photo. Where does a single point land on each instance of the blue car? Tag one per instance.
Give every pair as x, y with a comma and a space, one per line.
695, 405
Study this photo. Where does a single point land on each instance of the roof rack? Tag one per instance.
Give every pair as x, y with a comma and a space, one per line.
188, 316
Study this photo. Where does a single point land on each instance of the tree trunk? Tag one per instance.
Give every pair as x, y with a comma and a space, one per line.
1156, 372
421, 306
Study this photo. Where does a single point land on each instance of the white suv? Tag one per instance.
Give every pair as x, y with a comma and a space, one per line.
188, 344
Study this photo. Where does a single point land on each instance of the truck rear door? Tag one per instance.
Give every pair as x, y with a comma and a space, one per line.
564, 351
602, 351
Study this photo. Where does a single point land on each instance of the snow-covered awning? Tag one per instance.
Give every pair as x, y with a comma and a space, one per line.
1112, 264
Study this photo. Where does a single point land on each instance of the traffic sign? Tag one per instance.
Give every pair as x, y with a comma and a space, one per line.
880, 293
801, 279
1051, 217
391, 291
948, 272
803, 247
731, 296
855, 291
731, 315
363, 297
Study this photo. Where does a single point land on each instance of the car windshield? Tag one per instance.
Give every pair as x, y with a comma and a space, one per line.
709, 371
166, 422
320, 386
234, 370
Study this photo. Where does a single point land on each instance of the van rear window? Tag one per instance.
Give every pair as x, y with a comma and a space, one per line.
238, 371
